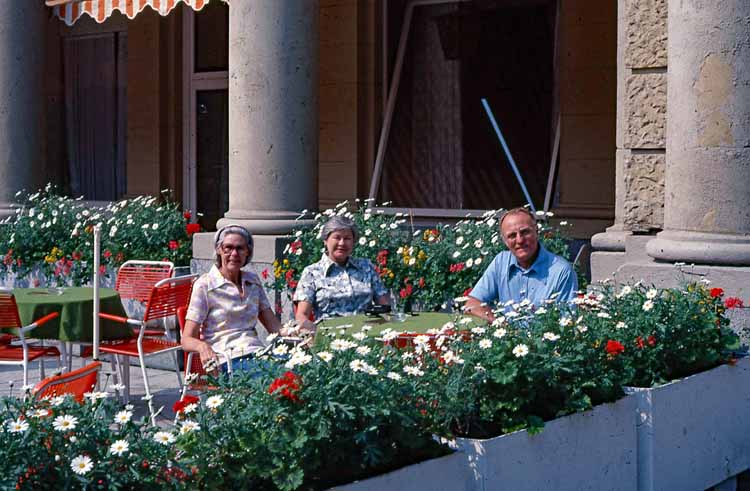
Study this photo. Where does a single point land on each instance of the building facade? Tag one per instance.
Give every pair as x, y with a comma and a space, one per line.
253, 110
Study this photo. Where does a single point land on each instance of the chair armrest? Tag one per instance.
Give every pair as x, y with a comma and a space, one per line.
40, 322
120, 319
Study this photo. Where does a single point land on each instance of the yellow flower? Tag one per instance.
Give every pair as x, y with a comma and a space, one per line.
421, 256
406, 259
286, 262
275, 263
391, 275
50, 259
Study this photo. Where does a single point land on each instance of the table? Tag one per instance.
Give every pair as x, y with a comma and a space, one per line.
76, 308
419, 322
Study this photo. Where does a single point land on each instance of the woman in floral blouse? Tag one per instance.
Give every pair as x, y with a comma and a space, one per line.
338, 284
227, 303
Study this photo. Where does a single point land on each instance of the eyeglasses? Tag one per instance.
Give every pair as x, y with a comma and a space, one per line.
228, 249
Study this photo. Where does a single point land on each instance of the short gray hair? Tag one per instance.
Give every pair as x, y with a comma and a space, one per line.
337, 223
232, 229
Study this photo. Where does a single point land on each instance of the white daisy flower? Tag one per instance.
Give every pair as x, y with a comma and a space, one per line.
165, 437
342, 345
393, 376
190, 408
123, 417
550, 336
362, 241
469, 262
65, 423
603, 315
325, 356
371, 243
81, 464
363, 350
521, 350
457, 253
540, 311
485, 344
621, 325
18, 426
626, 290
478, 330
280, 350
648, 305
214, 401
119, 447
359, 336
40, 413
415, 371
450, 357
477, 261
582, 329
565, 322
188, 426
652, 293
500, 333
389, 334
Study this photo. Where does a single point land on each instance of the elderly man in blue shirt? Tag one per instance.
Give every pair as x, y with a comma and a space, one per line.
526, 271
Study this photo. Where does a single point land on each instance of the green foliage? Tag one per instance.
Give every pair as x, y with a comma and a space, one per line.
39, 455
55, 233
425, 268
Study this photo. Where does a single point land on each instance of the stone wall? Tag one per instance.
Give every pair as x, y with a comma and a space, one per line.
641, 142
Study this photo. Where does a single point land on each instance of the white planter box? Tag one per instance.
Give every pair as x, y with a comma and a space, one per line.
593, 450
694, 433
448, 473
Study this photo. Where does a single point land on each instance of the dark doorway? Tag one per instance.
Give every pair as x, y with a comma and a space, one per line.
442, 151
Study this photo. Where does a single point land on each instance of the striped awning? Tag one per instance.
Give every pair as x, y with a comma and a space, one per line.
71, 10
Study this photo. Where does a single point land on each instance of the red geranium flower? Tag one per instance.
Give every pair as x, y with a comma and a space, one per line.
639, 342
107, 254
264, 274
406, 291
614, 348
192, 228
173, 245
733, 303
652, 340
187, 215
455, 268
382, 258
286, 386
76, 256
716, 292
184, 402
293, 284
421, 282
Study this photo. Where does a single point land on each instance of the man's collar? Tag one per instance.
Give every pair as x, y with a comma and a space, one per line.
328, 263
542, 257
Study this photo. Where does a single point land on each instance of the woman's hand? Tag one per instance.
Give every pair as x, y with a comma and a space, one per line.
209, 358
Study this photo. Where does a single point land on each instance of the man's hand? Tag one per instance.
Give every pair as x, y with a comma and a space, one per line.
478, 309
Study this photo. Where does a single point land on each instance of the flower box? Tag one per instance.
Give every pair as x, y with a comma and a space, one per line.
448, 473
694, 433
595, 449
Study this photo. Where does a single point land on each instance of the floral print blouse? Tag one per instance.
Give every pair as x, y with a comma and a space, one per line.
336, 290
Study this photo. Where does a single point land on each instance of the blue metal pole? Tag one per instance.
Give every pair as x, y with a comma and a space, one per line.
507, 153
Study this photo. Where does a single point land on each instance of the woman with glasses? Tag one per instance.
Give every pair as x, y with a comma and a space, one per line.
338, 284
227, 303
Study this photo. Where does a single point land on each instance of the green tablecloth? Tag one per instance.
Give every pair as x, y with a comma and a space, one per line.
414, 323
76, 308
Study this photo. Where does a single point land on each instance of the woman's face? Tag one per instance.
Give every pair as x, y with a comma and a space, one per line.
233, 251
339, 245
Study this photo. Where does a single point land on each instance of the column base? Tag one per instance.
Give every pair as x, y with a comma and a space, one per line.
700, 247
609, 252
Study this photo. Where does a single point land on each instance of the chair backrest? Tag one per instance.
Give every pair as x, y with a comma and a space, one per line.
76, 383
195, 366
135, 279
167, 296
9, 318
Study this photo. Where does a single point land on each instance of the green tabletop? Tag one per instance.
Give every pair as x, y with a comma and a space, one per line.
76, 308
419, 322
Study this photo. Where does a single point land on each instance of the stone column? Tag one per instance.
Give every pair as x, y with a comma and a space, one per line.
707, 217
273, 113
641, 133
22, 98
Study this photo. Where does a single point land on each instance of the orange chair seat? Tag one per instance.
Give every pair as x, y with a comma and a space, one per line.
15, 353
130, 347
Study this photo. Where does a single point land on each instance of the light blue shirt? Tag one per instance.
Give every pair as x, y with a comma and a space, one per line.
506, 280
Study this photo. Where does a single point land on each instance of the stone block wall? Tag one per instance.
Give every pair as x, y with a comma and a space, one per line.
642, 113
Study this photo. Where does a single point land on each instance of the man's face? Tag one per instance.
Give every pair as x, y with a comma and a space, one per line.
520, 236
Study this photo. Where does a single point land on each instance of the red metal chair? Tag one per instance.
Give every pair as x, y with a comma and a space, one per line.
17, 350
77, 383
193, 364
135, 280
165, 298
